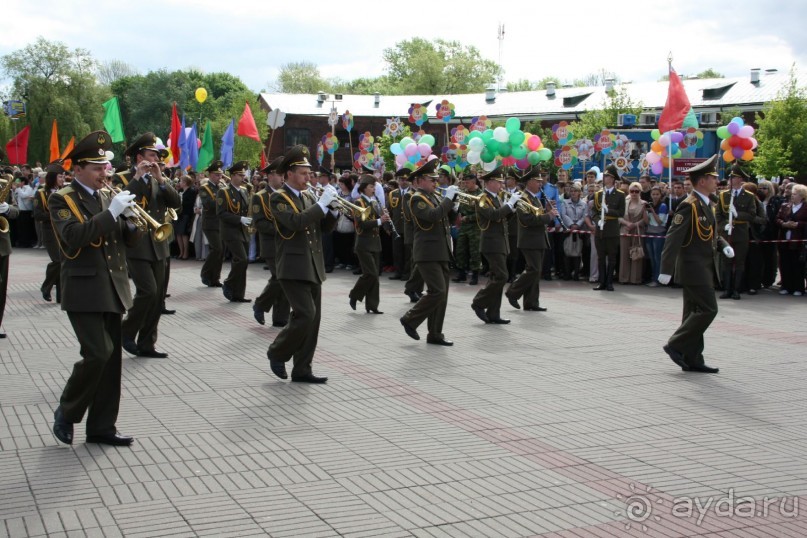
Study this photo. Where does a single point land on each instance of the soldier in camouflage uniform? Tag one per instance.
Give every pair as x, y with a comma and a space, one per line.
467, 256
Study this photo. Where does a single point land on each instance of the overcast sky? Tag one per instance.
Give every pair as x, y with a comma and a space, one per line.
253, 38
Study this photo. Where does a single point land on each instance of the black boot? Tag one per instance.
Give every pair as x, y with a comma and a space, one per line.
460, 276
474, 279
728, 285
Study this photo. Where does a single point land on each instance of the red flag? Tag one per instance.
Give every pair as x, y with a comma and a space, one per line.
176, 126
263, 160
676, 107
17, 147
67, 164
54, 142
246, 125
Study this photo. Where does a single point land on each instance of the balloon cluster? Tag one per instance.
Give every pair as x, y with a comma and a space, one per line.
738, 142
330, 143
663, 147
418, 114
508, 144
347, 121
411, 154
445, 111
456, 156
365, 154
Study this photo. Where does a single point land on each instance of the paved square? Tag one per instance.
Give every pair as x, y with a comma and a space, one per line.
567, 423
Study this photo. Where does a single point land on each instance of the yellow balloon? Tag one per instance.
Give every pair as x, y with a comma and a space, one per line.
201, 95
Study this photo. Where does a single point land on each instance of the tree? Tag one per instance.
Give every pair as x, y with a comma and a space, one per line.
109, 72
300, 77
706, 73
594, 121
597, 78
781, 134
522, 85
439, 67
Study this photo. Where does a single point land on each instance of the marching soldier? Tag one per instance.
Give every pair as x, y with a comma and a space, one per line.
741, 207
493, 243
413, 288
211, 269
513, 256
147, 259
367, 246
96, 290
689, 251
8, 212
232, 206
54, 179
606, 232
272, 297
395, 204
467, 256
431, 253
533, 241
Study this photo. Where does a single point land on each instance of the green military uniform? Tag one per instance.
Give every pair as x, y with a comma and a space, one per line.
533, 241
467, 256
431, 254
147, 258
749, 212
300, 223
5, 248
512, 238
414, 284
367, 246
211, 268
232, 203
494, 245
607, 239
395, 205
95, 291
42, 214
272, 297
689, 254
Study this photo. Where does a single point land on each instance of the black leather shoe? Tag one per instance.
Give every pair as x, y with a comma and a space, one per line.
438, 341
116, 439
535, 309
413, 296
278, 367
676, 357
130, 347
353, 304
279, 323
735, 296
46, 295
609, 287
152, 354
206, 282
257, 313
374, 311
394, 277
2, 335
752, 292
309, 378
62, 429
168, 312
600, 287
514, 302
410, 332
228, 293
167, 295
217, 285
241, 300
357, 272
703, 369
500, 321
480, 313
725, 295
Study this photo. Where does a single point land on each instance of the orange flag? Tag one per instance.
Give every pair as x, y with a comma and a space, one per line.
67, 149
54, 142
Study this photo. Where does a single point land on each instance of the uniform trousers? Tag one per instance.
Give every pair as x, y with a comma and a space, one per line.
490, 297
367, 287
298, 339
432, 305
700, 308
272, 297
143, 318
528, 284
236, 281
211, 269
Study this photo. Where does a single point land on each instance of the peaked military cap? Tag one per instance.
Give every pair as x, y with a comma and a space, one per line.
215, 166
146, 141
238, 167
366, 179
296, 156
272, 166
611, 170
738, 171
403, 172
706, 168
533, 173
427, 169
56, 167
92, 148
497, 174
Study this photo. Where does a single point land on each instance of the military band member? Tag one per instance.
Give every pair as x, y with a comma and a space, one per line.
744, 210
54, 180
689, 251
493, 243
211, 269
8, 212
533, 241
300, 220
395, 205
514, 263
96, 291
606, 234
431, 253
467, 256
147, 259
413, 288
367, 246
272, 297
232, 203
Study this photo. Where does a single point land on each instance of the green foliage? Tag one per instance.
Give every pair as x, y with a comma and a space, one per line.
597, 78
385, 141
300, 77
782, 133
594, 121
522, 85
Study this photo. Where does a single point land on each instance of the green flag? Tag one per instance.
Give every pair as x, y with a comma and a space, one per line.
206, 151
112, 120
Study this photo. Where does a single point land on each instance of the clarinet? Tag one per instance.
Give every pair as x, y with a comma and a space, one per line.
389, 227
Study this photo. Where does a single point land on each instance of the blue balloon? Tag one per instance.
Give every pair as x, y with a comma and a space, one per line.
738, 120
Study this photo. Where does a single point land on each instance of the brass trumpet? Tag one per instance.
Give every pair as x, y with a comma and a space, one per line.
468, 199
143, 221
524, 206
170, 214
348, 208
3, 196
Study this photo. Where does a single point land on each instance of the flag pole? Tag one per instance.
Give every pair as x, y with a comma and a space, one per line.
669, 182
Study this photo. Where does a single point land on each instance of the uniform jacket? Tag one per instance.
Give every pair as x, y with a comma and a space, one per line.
94, 275
749, 213
231, 204
207, 196
395, 203
492, 220
5, 239
692, 240
264, 222
531, 227
409, 224
432, 229
299, 223
368, 238
42, 215
616, 210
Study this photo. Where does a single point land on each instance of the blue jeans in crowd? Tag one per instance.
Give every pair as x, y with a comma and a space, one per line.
653, 245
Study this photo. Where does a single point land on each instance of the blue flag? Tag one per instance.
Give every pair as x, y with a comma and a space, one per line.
193, 148
184, 162
227, 145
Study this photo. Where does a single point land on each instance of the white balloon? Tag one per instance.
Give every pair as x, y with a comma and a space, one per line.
474, 157
489, 167
500, 134
476, 144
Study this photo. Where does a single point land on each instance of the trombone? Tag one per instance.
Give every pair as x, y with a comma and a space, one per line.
346, 207
143, 221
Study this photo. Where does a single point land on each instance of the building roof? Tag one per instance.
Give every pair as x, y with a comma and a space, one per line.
705, 95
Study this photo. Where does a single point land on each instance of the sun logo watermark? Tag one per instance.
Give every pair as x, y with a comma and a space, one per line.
639, 507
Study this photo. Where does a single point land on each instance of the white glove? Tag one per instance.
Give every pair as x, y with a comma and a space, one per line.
451, 192
4, 208
605, 207
129, 212
728, 227
513, 200
733, 211
728, 252
246, 221
664, 279
121, 201
328, 196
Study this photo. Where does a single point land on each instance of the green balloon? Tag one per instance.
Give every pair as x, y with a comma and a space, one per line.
533, 158
427, 139
723, 132
487, 156
492, 145
512, 125
472, 135
505, 150
487, 134
517, 138
545, 154
655, 134
519, 152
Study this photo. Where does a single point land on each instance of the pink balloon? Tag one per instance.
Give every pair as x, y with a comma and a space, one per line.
424, 149
657, 168
410, 150
400, 159
522, 164
653, 157
753, 143
746, 131
733, 128
534, 142
664, 140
